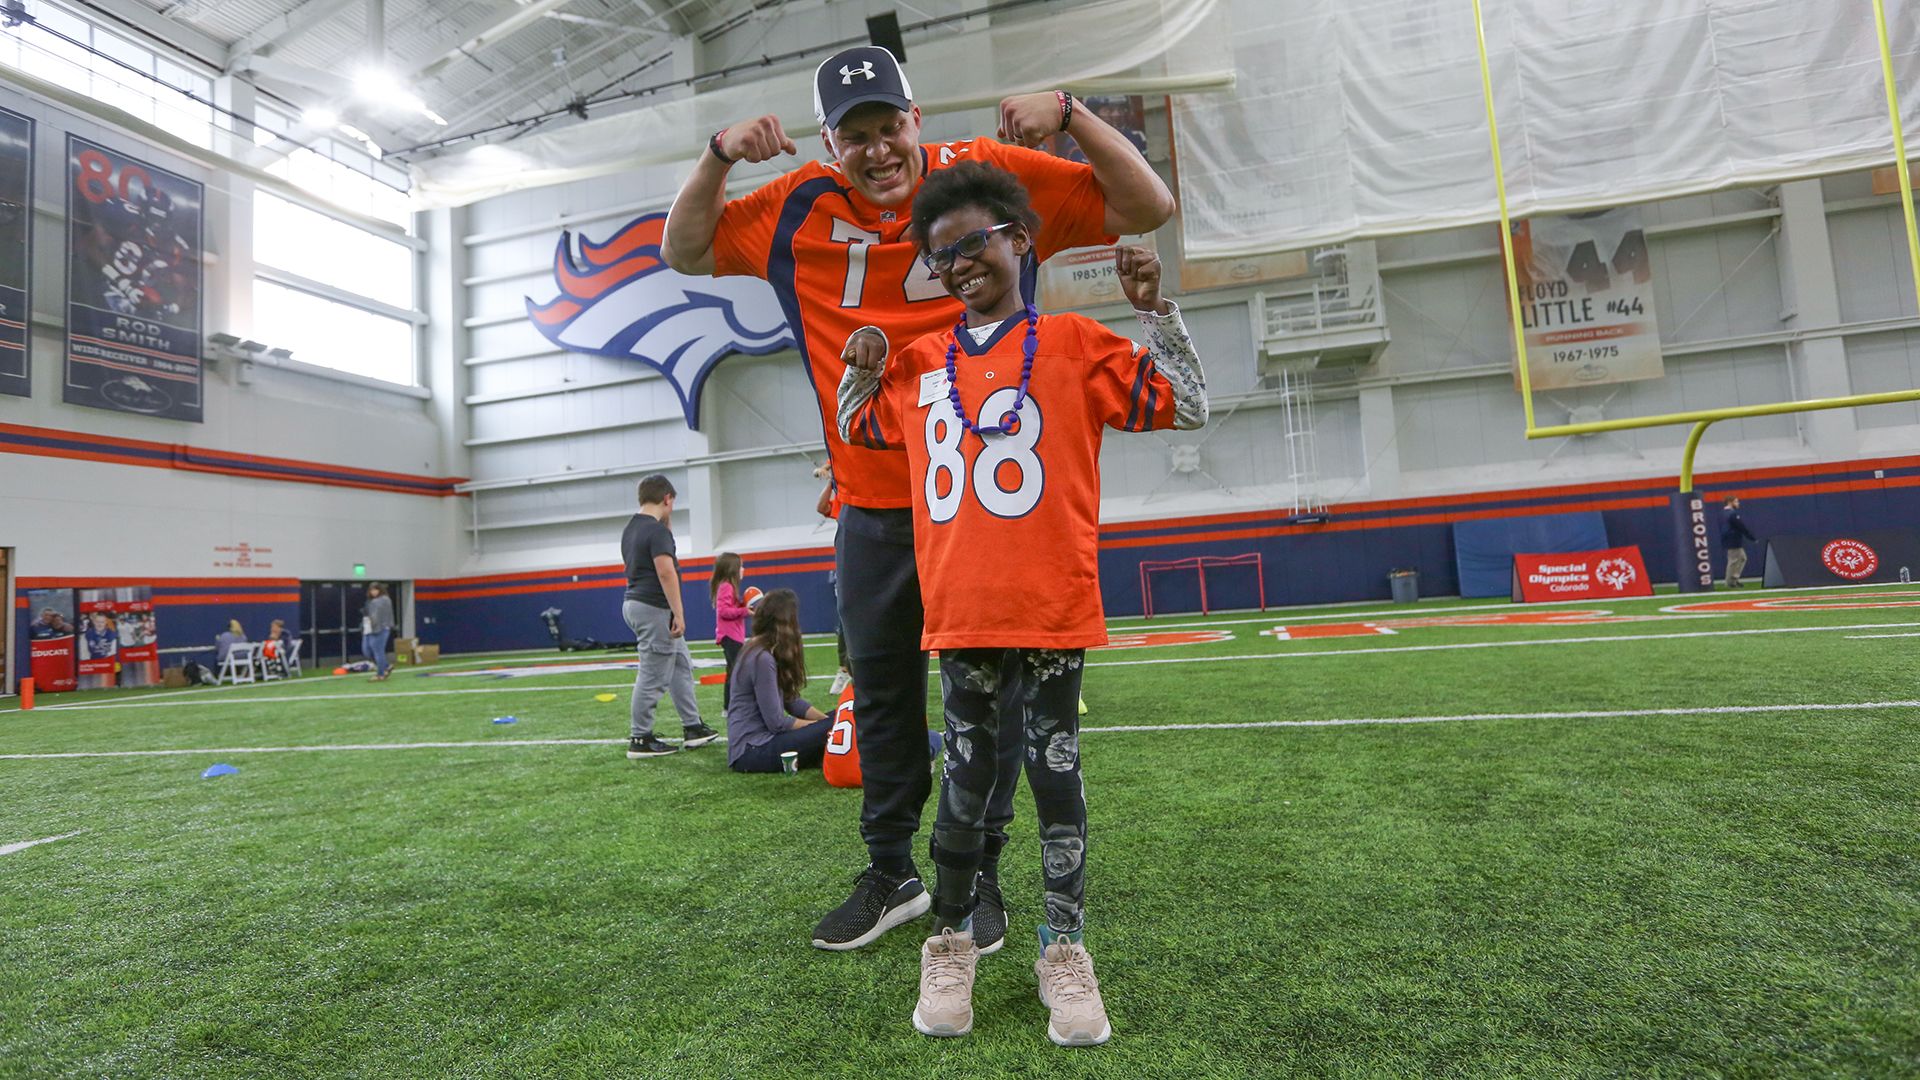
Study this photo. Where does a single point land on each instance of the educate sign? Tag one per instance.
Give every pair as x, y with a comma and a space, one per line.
1586, 299
1609, 573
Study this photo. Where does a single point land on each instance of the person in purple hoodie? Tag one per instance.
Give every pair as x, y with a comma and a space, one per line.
767, 716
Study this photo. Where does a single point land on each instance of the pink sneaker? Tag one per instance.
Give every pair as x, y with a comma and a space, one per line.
1069, 989
947, 964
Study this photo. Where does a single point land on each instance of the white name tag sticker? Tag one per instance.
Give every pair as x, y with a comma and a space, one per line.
933, 387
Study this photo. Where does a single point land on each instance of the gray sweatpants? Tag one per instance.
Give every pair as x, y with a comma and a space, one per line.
666, 667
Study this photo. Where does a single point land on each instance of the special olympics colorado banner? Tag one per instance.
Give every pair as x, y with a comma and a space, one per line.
1607, 574
1586, 299
133, 285
51, 639
16, 252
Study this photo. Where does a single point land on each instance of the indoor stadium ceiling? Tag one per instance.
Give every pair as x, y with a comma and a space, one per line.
479, 63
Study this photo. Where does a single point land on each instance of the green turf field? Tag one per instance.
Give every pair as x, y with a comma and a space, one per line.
1728, 888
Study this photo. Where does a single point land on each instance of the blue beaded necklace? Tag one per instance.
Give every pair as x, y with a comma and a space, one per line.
1011, 416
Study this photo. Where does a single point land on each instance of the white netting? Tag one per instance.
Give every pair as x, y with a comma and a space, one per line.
1366, 118
962, 70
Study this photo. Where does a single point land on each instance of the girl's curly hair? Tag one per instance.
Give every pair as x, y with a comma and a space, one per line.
970, 183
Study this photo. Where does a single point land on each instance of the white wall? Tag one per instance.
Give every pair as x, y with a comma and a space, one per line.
84, 518
1762, 295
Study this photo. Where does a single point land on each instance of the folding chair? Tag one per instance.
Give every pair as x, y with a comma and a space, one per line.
238, 666
292, 658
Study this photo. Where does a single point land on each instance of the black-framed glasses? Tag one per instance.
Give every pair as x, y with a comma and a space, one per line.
940, 260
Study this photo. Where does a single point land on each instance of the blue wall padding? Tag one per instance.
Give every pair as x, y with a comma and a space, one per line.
1484, 550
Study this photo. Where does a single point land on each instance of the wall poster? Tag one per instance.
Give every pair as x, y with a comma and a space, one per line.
16, 253
133, 285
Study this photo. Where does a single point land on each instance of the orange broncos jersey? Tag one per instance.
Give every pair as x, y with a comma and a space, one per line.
841, 765
1006, 527
838, 263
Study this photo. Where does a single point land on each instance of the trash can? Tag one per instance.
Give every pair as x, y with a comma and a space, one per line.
1405, 584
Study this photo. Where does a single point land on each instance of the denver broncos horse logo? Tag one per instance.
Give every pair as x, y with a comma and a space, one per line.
620, 299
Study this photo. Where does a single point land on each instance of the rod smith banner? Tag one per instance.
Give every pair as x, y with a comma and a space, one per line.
1586, 299
16, 252
133, 285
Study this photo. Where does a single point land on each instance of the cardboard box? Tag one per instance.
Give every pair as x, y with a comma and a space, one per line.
174, 677
403, 646
426, 654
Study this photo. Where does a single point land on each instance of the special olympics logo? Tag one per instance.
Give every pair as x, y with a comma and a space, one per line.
1615, 574
620, 299
1850, 559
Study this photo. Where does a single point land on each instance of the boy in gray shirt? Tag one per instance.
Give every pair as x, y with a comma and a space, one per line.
653, 612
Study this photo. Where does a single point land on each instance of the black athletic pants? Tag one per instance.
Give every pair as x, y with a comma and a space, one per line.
1028, 699
881, 614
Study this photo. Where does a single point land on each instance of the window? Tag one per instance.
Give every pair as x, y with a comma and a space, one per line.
332, 292
345, 173
121, 73
332, 334
331, 252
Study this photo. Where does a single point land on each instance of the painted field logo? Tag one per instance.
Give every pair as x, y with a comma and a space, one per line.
1165, 637
1850, 559
1615, 574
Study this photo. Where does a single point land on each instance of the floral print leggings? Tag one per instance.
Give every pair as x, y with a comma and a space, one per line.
1043, 687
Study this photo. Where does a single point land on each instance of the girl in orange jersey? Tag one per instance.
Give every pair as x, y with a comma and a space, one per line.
1001, 419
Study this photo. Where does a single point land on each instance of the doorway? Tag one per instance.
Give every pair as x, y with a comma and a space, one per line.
330, 618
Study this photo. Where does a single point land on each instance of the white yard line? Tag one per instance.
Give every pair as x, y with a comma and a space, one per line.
370, 698
375, 697
1593, 714
1875, 637
1593, 640
8, 849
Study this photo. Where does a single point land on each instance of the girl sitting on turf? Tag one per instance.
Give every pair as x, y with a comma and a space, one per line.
729, 614
1001, 419
767, 716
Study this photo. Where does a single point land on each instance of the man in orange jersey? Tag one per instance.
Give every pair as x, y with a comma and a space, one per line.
831, 239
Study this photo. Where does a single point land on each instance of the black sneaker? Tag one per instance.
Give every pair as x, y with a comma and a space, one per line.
878, 904
989, 915
698, 735
651, 746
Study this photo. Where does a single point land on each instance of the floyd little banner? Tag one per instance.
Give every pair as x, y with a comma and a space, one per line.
139, 652
1586, 299
51, 639
1606, 574
16, 251
133, 285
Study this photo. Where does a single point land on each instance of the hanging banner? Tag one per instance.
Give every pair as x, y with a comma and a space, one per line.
51, 639
133, 285
16, 252
1084, 277
139, 653
1586, 299
99, 639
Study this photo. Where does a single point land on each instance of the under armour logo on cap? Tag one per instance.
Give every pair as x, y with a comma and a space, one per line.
857, 76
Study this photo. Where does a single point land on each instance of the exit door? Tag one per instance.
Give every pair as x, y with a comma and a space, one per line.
330, 614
